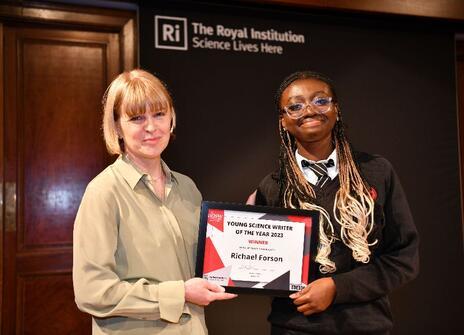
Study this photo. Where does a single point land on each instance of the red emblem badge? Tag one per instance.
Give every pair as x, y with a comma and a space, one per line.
373, 193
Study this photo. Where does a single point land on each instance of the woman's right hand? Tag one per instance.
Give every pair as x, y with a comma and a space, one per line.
252, 198
201, 292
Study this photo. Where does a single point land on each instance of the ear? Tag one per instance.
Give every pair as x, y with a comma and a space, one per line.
337, 111
283, 122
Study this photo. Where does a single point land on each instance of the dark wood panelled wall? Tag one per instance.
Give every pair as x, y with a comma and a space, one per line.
56, 65
460, 95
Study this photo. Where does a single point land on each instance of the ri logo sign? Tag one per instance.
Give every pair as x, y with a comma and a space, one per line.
170, 32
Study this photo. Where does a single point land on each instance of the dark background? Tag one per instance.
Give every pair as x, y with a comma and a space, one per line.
395, 79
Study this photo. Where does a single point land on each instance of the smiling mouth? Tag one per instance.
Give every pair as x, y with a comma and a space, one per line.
311, 119
154, 139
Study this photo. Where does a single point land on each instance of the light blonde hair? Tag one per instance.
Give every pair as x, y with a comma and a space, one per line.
353, 207
132, 93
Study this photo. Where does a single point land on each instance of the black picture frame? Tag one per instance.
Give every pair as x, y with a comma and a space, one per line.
271, 213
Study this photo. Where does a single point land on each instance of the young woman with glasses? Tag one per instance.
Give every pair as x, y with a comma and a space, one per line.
368, 243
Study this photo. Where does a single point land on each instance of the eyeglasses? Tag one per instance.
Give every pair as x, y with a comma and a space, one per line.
319, 104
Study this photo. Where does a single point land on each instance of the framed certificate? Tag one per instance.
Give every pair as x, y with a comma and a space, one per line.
257, 249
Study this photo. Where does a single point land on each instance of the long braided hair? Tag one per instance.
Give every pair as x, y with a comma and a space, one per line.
353, 207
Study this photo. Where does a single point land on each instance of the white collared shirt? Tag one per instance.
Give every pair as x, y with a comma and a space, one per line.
310, 176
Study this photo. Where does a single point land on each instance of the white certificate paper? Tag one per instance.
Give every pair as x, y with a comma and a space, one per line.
253, 249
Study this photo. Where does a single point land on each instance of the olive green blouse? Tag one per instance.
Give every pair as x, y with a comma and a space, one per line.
133, 252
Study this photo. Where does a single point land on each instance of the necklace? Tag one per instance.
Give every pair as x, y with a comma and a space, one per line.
158, 188
153, 180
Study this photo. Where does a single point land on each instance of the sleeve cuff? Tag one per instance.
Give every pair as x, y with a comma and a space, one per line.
171, 296
343, 288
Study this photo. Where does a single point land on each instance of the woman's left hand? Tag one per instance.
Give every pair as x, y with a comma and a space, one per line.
201, 292
316, 297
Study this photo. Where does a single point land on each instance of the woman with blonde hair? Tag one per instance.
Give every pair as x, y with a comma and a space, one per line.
135, 233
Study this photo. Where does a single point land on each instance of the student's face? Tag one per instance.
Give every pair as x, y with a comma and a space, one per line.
147, 135
311, 126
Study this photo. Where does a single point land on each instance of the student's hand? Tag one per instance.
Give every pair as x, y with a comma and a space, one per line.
316, 297
251, 199
201, 292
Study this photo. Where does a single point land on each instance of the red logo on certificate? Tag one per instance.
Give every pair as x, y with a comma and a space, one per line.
216, 218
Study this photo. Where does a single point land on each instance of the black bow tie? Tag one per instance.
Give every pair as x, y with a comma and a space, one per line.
319, 169
328, 164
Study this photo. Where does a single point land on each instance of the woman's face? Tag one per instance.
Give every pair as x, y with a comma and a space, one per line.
311, 126
146, 135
